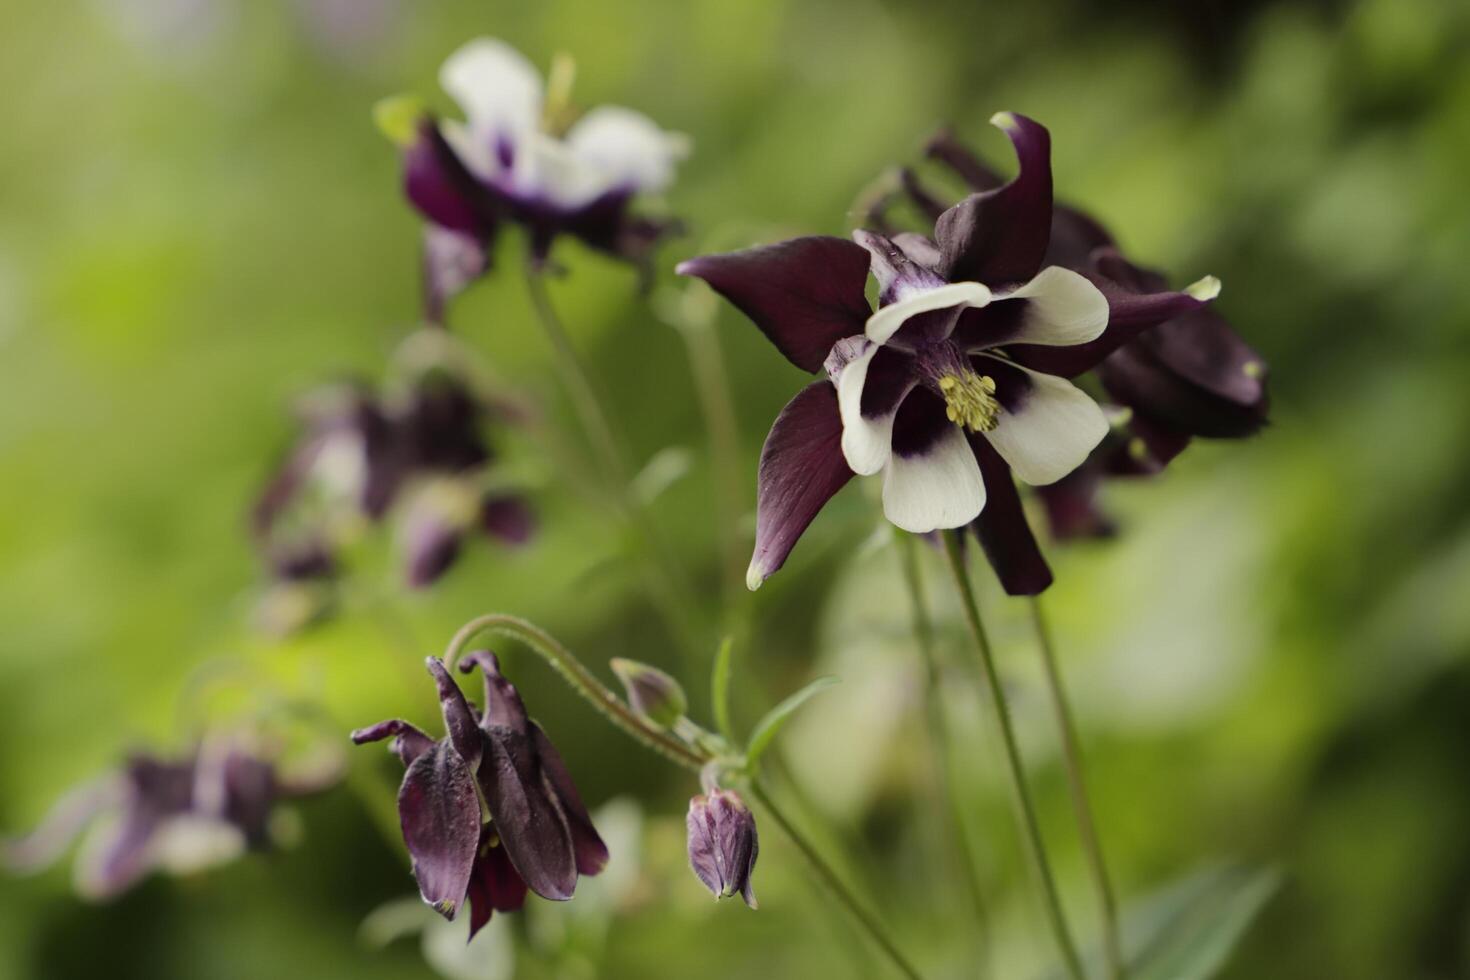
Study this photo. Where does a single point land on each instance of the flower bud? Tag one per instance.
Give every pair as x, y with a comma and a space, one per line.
652, 693
723, 844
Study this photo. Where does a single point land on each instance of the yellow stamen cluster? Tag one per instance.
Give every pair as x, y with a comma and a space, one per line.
969, 400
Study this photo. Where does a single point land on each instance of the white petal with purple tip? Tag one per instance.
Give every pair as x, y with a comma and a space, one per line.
1063, 309
1051, 432
626, 149
939, 488
885, 323
865, 442
499, 90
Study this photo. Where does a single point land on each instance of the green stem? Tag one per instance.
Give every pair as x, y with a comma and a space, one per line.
1020, 795
864, 918
939, 734
1081, 805
582, 680
669, 593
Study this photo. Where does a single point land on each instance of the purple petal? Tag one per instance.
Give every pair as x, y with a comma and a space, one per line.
66, 818
408, 742
801, 468
1071, 505
452, 260
442, 189
459, 721
896, 272
503, 704
433, 547
804, 294
1149, 376
156, 791
586, 842
1000, 236
1003, 531
1075, 236
1149, 445
507, 518
527, 816
1202, 348
495, 885
440, 815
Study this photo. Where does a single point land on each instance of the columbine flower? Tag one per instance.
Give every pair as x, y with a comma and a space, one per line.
723, 844
956, 381
1186, 370
422, 449
1185, 374
538, 836
175, 815
517, 157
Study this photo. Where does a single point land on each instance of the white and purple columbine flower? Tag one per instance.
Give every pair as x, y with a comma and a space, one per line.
156, 813
1181, 376
948, 387
517, 157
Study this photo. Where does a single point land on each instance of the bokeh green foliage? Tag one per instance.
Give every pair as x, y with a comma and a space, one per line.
1270, 663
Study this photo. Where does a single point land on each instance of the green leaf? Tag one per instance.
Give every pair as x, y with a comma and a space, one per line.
1188, 929
720, 689
775, 719
1198, 924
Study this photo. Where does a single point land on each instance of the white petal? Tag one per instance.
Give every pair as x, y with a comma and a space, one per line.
941, 488
627, 148
498, 89
475, 149
865, 442
547, 167
1063, 309
885, 323
1051, 432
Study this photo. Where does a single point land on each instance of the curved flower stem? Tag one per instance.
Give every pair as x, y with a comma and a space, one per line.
866, 919
670, 594
582, 680
1077, 783
939, 734
1021, 796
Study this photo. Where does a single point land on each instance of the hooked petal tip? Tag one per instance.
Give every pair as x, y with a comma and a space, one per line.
1205, 289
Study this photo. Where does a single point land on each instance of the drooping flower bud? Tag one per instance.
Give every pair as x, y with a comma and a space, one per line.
723, 844
652, 693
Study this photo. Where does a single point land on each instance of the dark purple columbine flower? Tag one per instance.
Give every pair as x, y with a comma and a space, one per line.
538, 836
155, 813
723, 844
423, 450
513, 160
1189, 375
955, 382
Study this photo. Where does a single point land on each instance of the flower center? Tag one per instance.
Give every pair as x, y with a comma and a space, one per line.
969, 399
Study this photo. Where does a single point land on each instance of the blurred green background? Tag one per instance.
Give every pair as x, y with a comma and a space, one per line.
198, 221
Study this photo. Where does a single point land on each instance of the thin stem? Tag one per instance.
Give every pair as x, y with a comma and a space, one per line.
864, 918
582, 680
938, 725
1020, 795
670, 593
1077, 784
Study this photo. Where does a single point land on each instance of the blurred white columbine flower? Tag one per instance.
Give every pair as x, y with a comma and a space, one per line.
522, 154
